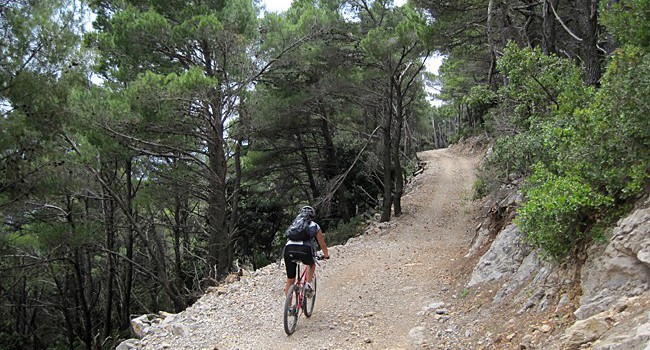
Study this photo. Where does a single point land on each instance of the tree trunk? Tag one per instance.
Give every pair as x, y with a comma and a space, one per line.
387, 162
125, 316
109, 228
397, 164
65, 308
308, 169
86, 326
492, 44
548, 26
219, 241
236, 191
332, 168
436, 145
180, 213
588, 23
157, 252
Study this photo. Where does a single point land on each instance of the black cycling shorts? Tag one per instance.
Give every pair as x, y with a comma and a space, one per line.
302, 253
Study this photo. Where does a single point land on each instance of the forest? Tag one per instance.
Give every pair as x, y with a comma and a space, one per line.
149, 148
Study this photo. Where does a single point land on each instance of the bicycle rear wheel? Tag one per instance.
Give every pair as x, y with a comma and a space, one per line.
308, 304
291, 310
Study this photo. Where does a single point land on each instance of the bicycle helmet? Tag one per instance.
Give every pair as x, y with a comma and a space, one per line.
309, 211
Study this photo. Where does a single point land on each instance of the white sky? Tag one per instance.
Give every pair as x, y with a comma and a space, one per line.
276, 5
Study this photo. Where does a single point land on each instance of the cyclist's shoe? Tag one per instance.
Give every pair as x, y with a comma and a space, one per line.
309, 290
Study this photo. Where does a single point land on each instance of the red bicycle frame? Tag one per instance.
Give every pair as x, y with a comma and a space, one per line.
300, 282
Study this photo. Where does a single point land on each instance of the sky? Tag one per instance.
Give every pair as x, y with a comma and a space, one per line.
276, 5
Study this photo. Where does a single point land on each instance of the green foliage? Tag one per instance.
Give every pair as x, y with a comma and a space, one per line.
533, 114
618, 124
538, 88
586, 152
455, 84
344, 231
479, 188
628, 21
558, 211
480, 96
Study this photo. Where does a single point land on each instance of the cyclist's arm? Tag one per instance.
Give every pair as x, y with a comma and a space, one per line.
321, 242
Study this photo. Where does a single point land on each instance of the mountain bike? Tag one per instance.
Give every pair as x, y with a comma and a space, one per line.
298, 299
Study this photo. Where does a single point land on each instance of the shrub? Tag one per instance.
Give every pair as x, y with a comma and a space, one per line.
558, 211
586, 153
343, 232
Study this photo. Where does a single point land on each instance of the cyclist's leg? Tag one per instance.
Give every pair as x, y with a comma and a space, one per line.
307, 258
302, 253
290, 282
291, 270
311, 269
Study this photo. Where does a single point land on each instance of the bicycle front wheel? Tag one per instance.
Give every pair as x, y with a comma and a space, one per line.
291, 310
308, 305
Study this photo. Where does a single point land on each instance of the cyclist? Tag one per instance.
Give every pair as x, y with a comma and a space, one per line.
304, 251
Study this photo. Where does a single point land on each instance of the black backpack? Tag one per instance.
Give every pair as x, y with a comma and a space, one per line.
299, 229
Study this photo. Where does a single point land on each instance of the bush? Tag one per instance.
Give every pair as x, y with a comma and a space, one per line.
558, 211
586, 153
343, 232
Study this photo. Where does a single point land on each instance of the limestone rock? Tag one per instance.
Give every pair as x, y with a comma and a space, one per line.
503, 258
586, 331
128, 344
141, 325
619, 269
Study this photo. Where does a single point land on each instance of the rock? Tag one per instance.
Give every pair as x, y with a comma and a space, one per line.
526, 342
180, 330
482, 236
618, 269
141, 325
166, 317
432, 307
502, 259
128, 344
417, 335
585, 331
630, 325
545, 328
442, 312
531, 268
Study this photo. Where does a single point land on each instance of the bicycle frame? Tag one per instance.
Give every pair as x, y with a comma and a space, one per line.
296, 292
300, 283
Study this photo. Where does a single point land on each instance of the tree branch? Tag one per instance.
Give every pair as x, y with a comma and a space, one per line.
561, 22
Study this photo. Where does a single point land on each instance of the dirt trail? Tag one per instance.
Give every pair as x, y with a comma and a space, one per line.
375, 289
382, 290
